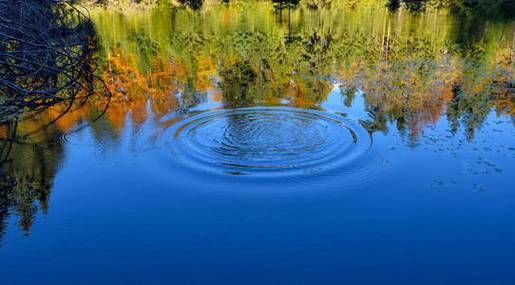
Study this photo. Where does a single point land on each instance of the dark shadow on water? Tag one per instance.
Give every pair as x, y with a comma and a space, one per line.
192, 4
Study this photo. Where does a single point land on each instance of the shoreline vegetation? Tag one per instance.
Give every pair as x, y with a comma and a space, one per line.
14, 101
449, 61
443, 56
486, 8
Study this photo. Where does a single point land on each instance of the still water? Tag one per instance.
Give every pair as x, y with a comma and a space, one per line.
244, 145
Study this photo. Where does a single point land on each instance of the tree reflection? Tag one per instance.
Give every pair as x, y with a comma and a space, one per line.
238, 85
193, 4
408, 70
27, 171
46, 55
405, 66
283, 4
47, 64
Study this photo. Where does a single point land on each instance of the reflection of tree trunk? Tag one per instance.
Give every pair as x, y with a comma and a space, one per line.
6, 182
289, 22
383, 37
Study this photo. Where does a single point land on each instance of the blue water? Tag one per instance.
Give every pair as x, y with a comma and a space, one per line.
273, 195
245, 144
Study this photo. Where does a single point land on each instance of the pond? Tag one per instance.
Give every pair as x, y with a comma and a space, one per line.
243, 144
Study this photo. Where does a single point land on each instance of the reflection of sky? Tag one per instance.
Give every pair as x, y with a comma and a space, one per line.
122, 207
334, 103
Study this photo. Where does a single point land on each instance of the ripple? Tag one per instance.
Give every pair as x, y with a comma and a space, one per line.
270, 141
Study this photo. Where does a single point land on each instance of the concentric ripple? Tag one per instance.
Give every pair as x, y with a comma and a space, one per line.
270, 141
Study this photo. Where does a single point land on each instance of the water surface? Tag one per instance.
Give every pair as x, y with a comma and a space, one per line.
245, 145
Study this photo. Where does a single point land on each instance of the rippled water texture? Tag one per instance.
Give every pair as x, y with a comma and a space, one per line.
271, 142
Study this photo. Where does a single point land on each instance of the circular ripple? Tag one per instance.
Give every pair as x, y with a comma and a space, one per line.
270, 141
